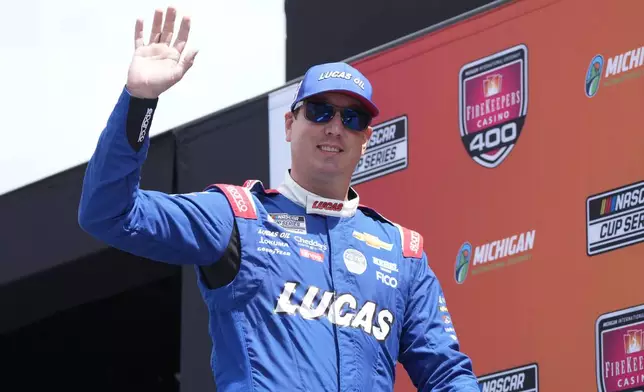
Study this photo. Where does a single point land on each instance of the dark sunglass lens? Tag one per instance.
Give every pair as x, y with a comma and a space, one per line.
356, 120
319, 112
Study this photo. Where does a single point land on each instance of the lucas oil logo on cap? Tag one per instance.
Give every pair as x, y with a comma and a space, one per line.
493, 104
341, 75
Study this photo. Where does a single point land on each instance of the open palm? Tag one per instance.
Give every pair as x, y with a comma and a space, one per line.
159, 65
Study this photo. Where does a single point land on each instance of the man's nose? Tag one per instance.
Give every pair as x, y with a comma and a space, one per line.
335, 126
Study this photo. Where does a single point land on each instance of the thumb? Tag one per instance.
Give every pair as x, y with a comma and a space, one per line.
188, 60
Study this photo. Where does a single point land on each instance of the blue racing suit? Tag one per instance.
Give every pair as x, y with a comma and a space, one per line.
304, 293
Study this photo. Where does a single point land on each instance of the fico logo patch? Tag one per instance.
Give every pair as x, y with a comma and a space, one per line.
493, 104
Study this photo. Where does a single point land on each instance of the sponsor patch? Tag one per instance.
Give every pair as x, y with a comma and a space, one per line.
387, 279
519, 379
386, 151
386, 266
312, 244
319, 257
273, 251
293, 223
615, 219
372, 240
270, 242
619, 350
412, 242
446, 317
240, 200
493, 104
273, 234
355, 261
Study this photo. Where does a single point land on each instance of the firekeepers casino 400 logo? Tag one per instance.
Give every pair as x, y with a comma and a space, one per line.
493, 104
619, 350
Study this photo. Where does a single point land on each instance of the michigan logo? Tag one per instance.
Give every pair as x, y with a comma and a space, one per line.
463, 262
594, 75
493, 104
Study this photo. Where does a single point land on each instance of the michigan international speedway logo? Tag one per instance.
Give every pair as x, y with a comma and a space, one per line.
463, 262
612, 70
493, 104
492, 256
594, 75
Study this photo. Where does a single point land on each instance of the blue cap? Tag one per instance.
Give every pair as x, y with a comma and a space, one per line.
336, 77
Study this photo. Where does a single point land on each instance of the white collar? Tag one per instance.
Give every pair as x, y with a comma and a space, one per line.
316, 204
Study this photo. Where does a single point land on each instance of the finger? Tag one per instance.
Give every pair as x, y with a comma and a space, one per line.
182, 37
168, 26
138, 34
155, 33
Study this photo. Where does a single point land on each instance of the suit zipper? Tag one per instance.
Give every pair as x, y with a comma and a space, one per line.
335, 295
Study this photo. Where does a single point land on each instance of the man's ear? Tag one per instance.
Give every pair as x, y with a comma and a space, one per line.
367, 134
288, 124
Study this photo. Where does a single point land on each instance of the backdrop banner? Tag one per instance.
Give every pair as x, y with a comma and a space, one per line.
512, 142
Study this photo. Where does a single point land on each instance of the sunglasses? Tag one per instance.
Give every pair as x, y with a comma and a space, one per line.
323, 112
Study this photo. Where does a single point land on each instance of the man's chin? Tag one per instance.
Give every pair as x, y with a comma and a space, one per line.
332, 170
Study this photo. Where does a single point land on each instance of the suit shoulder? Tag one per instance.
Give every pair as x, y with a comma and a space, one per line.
411, 240
242, 198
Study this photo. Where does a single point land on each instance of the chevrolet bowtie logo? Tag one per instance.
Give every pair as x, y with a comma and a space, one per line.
372, 240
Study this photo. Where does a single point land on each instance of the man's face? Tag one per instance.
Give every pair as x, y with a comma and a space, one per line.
329, 148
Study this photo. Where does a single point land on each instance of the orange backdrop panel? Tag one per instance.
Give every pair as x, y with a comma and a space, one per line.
542, 309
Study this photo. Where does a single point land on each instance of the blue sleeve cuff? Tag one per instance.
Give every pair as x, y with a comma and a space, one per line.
140, 112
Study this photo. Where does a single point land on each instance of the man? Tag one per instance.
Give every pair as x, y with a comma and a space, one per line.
306, 289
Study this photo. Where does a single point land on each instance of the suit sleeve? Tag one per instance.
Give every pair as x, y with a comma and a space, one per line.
429, 350
168, 228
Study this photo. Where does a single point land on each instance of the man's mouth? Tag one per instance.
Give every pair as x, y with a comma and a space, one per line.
328, 148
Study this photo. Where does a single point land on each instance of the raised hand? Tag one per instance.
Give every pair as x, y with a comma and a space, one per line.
157, 66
